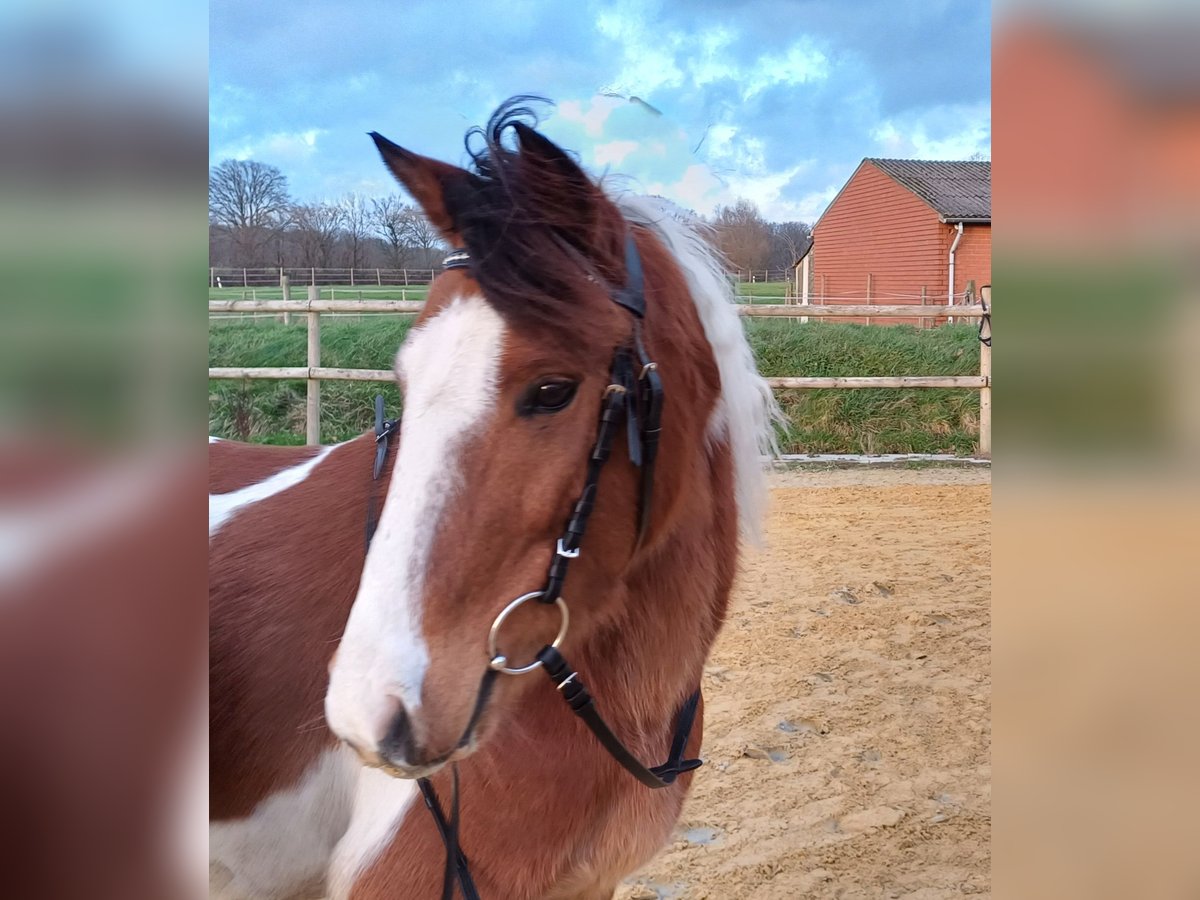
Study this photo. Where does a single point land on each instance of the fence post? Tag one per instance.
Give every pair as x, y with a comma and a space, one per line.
313, 411
925, 323
985, 369
286, 286
868, 295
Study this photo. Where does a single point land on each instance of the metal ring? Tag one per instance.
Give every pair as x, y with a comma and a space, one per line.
614, 389
499, 662
648, 367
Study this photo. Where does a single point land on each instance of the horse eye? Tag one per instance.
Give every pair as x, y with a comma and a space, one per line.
548, 397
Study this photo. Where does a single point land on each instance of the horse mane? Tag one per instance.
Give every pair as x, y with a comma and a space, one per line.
532, 220
747, 412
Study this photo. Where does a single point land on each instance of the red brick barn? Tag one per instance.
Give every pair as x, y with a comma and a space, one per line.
896, 231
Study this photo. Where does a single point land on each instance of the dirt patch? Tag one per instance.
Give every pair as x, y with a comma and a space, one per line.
847, 727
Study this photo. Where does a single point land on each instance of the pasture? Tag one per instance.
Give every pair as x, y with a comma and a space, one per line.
819, 421
847, 700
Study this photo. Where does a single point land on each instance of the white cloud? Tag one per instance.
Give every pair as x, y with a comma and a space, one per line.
803, 62
614, 152
698, 189
956, 132
593, 117
282, 146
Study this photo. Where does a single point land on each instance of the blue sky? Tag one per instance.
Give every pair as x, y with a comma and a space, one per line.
773, 100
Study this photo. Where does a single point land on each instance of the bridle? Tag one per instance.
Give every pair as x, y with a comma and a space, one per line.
633, 398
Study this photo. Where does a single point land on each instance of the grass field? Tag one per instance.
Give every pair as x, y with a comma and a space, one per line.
819, 421
760, 292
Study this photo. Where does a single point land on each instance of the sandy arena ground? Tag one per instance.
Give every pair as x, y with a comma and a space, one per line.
847, 701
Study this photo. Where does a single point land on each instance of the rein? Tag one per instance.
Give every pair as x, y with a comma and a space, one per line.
633, 398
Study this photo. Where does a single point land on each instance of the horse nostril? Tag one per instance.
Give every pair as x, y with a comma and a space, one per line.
397, 743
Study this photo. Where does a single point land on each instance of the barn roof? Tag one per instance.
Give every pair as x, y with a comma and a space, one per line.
957, 191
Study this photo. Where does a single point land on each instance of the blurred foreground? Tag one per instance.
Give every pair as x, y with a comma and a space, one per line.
103, 781
1097, 211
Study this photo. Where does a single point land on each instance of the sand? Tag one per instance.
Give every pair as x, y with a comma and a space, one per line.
847, 724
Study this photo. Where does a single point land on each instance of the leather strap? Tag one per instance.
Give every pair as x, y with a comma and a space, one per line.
611, 412
570, 685
457, 867
384, 429
633, 295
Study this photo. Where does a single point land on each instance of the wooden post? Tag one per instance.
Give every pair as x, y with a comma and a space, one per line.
378, 279
868, 295
285, 285
352, 277
313, 411
245, 281
405, 271
925, 323
985, 370
314, 275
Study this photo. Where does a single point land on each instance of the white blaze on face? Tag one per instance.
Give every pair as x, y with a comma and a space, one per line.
450, 366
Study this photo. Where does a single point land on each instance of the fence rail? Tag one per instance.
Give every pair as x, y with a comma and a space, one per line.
314, 373
234, 277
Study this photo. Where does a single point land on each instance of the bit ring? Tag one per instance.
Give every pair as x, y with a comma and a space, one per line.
499, 661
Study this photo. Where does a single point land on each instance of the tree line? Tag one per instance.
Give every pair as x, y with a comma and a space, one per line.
254, 222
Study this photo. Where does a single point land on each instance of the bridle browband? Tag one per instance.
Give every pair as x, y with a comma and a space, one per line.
633, 397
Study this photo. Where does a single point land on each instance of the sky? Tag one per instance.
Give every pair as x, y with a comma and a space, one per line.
701, 101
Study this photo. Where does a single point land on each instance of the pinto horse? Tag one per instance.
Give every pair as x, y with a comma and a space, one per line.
564, 318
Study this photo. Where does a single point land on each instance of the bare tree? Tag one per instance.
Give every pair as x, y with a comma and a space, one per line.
422, 237
317, 226
789, 240
743, 235
245, 193
388, 222
251, 200
356, 223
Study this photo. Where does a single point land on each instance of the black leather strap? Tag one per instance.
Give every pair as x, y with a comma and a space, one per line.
649, 411
611, 412
457, 867
571, 686
633, 295
384, 429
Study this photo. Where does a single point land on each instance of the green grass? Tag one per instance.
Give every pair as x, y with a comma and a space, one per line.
763, 291
819, 421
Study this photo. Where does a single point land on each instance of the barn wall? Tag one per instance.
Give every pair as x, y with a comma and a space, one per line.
973, 259
877, 227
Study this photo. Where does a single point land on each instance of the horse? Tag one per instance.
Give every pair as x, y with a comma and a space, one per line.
579, 461
286, 549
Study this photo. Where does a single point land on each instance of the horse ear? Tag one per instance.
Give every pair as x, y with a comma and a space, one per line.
429, 182
567, 187
551, 158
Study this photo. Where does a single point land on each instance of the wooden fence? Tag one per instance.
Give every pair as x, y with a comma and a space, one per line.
234, 277
314, 373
